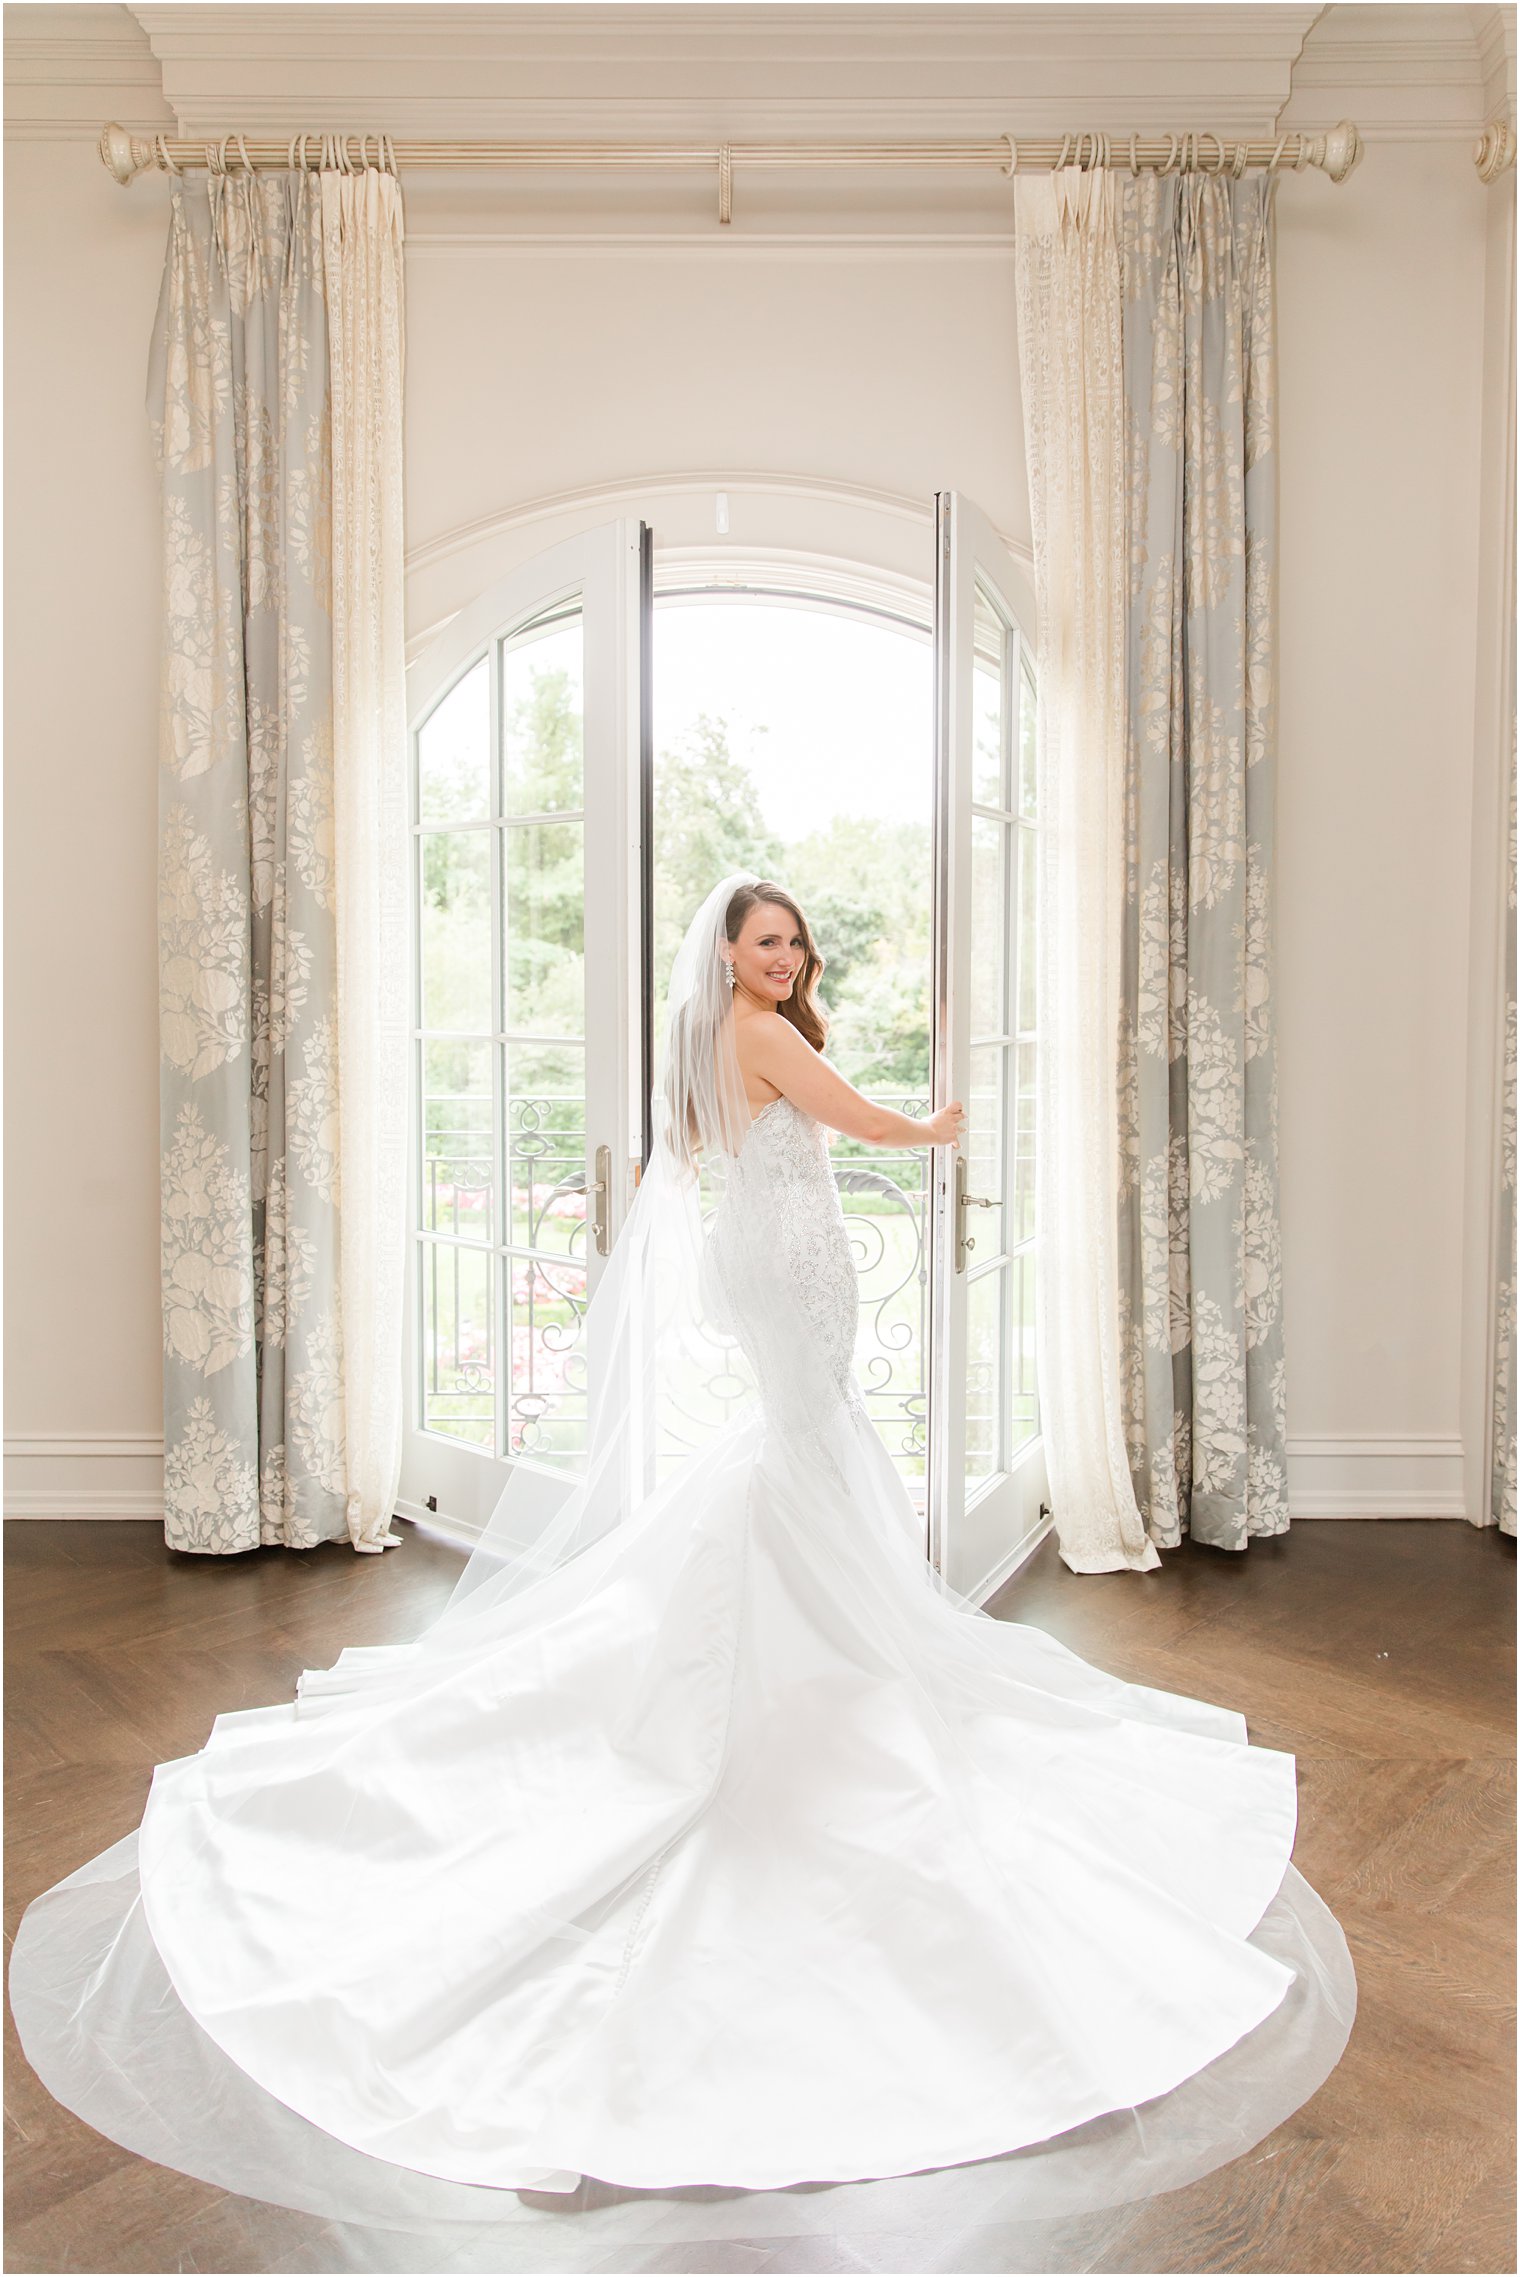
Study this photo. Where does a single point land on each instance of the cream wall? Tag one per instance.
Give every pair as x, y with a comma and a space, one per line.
885, 370
83, 1377
1380, 297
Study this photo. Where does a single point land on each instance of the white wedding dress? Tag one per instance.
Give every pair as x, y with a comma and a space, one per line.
732, 1850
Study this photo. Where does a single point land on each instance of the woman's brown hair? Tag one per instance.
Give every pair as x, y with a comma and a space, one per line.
801, 1007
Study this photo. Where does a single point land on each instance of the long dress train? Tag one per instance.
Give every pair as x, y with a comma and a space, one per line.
732, 1851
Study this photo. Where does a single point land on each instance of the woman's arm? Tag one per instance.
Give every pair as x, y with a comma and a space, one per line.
773, 1050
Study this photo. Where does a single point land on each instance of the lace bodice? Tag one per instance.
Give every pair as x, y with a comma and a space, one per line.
782, 1272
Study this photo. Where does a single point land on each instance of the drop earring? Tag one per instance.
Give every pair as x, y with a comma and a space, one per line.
728, 970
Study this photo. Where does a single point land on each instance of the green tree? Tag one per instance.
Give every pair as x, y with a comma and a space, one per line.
707, 821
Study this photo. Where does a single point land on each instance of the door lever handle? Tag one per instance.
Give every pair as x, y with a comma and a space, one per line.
964, 1243
600, 1195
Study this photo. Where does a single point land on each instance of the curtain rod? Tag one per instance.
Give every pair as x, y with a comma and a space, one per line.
1334, 153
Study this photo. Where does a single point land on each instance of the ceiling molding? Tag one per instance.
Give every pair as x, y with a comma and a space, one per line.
732, 72
712, 72
69, 69
1494, 31
1402, 71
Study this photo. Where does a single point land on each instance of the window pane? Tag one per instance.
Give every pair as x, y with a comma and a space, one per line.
988, 689
1024, 1418
542, 732
986, 1146
1023, 1207
546, 1416
458, 1149
546, 1146
989, 928
454, 753
1027, 749
456, 930
1027, 923
545, 929
984, 1374
458, 1342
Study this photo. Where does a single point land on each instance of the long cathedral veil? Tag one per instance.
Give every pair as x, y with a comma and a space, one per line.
709, 1382
693, 1313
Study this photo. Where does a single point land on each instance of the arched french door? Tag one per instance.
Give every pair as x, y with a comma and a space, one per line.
594, 740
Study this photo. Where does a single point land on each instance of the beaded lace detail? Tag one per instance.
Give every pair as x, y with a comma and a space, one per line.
782, 1182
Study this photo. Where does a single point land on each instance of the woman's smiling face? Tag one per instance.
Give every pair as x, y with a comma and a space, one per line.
769, 953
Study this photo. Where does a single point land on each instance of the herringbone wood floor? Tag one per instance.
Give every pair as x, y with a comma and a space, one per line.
1380, 1653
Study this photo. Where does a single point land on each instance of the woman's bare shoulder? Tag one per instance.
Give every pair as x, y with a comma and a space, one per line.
760, 1044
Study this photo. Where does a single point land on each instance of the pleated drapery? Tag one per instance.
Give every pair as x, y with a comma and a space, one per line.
259, 1446
1148, 368
1071, 355
1200, 1250
362, 238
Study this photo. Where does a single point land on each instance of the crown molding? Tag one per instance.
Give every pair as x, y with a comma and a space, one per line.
1401, 72
724, 72
67, 69
1494, 32
586, 70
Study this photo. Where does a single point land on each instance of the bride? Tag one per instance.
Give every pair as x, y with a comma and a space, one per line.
706, 1836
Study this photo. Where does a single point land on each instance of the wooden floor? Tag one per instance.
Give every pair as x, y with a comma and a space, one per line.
1381, 1654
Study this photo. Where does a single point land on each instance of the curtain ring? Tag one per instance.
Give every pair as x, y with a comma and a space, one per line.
1218, 165
1103, 151
389, 159
1134, 161
1065, 147
1012, 166
243, 154
169, 165
1276, 158
1171, 155
216, 157
1240, 160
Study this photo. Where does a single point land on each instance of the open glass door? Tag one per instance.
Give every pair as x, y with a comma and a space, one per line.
986, 1462
528, 1083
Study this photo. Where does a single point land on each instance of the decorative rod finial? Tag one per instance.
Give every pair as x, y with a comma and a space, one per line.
1343, 148
1496, 150
124, 155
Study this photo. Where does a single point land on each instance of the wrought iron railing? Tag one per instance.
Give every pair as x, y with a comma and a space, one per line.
540, 1223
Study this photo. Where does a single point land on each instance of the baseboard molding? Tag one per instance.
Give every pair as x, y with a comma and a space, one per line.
1398, 1475
84, 1474
95, 1475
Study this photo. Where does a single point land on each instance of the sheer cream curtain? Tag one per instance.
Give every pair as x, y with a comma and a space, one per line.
1071, 353
362, 252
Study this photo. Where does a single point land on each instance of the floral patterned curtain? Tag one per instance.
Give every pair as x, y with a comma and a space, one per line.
253, 1404
1200, 1265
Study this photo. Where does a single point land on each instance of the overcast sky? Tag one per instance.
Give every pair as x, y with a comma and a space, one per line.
848, 704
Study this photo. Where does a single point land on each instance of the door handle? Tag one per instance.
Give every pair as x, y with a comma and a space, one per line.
601, 1201
964, 1202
